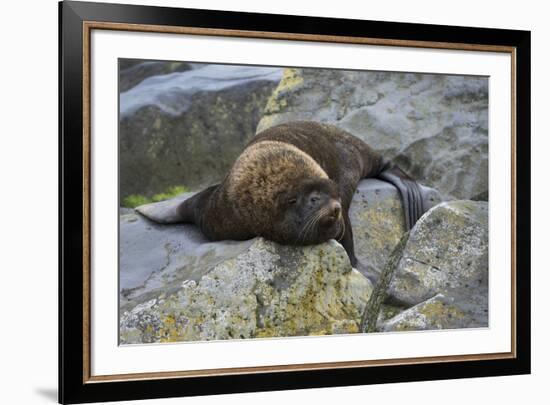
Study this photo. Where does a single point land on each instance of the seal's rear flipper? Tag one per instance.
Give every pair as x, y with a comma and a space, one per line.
176, 210
189, 210
163, 212
411, 194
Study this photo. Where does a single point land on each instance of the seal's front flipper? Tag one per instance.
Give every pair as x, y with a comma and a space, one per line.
346, 240
410, 192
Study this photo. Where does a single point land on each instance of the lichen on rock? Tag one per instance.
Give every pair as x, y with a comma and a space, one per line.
268, 290
442, 276
376, 213
446, 251
438, 312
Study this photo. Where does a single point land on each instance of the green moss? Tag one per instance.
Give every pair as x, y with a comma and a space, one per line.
135, 200
389, 311
171, 192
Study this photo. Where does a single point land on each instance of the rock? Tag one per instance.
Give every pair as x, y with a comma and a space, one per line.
376, 311
378, 221
171, 92
443, 271
156, 259
265, 290
434, 126
446, 251
187, 128
134, 71
438, 312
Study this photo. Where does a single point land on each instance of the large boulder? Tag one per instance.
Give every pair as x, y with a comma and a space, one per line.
441, 277
265, 290
438, 312
376, 214
447, 252
434, 126
155, 259
187, 127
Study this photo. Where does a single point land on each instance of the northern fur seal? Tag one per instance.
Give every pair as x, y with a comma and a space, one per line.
293, 184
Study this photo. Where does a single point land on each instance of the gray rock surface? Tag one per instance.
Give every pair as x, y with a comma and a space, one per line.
172, 92
376, 310
434, 126
443, 270
376, 213
266, 290
186, 128
134, 71
156, 258
439, 312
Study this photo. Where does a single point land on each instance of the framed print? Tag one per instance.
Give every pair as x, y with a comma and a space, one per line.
256, 202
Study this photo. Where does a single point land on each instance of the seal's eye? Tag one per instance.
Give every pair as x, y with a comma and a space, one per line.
292, 201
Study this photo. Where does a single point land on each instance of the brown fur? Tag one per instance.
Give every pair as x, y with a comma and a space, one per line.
261, 174
302, 161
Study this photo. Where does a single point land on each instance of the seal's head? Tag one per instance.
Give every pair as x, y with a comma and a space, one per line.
279, 192
309, 214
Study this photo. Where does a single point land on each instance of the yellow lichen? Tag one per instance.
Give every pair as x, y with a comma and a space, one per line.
267, 121
439, 310
290, 80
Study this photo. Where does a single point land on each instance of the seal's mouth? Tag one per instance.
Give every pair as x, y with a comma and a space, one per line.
326, 223
330, 226
330, 219
332, 214
334, 226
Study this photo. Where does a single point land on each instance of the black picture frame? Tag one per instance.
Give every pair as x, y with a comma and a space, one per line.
74, 384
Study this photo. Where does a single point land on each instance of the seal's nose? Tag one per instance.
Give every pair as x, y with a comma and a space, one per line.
336, 208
